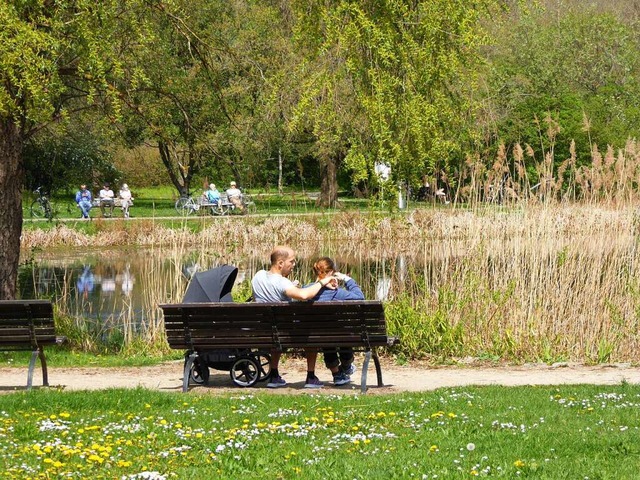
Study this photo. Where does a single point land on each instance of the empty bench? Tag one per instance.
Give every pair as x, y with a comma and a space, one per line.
28, 325
205, 327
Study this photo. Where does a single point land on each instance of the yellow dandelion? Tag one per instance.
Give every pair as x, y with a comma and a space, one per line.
518, 464
433, 448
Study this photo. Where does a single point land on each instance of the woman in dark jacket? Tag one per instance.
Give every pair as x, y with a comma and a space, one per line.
340, 362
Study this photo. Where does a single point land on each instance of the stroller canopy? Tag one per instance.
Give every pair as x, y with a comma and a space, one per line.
211, 285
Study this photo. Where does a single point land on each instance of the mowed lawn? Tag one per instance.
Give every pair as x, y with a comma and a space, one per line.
573, 432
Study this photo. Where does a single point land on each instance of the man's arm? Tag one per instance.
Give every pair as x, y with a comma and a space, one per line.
307, 293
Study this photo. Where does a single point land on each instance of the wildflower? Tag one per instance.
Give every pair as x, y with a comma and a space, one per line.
518, 464
471, 447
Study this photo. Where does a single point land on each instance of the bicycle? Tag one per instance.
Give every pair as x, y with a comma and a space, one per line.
248, 203
41, 206
186, 205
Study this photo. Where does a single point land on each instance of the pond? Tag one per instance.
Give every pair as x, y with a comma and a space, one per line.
124, 286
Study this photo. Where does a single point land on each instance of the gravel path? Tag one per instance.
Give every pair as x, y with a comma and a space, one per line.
410, 378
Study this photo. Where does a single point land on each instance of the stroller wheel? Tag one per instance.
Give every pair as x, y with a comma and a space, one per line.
264, 365
199, 373
245, 372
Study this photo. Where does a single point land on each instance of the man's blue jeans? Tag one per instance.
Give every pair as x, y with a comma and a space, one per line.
85, 207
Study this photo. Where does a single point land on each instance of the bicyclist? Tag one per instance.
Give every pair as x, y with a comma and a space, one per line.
83, 199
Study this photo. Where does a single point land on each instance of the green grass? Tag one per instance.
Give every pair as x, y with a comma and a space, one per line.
527, 432
159, 202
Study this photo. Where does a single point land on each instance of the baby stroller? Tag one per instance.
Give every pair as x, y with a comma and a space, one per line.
246, 366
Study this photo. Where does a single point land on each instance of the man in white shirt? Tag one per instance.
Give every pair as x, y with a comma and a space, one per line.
273, 286
106, 200
235, 196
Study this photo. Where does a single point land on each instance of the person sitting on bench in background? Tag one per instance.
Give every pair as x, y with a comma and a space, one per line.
106, 200
274, 286
235, 196
126, 200
83, 199
213, 195
339, 361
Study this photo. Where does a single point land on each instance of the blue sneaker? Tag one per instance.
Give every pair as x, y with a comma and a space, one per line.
349, 370
276, 382
340, 379
313, 382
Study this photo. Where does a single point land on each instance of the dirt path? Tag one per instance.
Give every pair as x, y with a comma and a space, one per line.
168, 377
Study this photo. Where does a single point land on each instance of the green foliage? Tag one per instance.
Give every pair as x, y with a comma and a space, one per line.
397, 73
421, 331
64, 162
577, 65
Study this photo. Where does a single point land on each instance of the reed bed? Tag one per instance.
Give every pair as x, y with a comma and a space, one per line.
540, 264
538, 283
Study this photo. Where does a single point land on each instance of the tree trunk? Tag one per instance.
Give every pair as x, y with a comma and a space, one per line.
11, 181
329, 182
279, 171
180, 175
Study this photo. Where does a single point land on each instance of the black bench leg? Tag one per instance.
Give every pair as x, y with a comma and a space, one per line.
45, 374
376, 362
187, 371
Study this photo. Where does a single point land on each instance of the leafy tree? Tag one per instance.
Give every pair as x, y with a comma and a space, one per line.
202, 90
391, 81
56, 58
66, 159
577, 66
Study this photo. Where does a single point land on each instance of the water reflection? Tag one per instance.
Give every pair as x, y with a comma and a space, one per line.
128, 284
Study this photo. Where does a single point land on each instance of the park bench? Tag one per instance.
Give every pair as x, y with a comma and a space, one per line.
200, 328
222, 208
27, 325
117, 203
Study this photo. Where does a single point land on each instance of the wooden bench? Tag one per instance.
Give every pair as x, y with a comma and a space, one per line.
203, 327
27, 325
